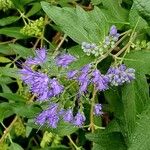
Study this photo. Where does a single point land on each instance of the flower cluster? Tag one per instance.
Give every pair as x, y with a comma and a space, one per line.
112, 38
53, 114
64, 60
39, 59
91, 49
121, 74
34, 28
86, 75
109, 41
98, 109
115, 76
5, 4
45, 87
39, 83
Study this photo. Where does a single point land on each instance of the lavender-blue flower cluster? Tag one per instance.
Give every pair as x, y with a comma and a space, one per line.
115, 76
119, 75
40, 83
53, 114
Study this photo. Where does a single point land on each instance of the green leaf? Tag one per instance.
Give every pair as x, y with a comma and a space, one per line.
76, 23
8, 20
107, 141
35, 8
10, 72
4, 59
5, 49
13, 97
122, 102
13, 32
96, 2
136, 20
18, 4
141, 136
142, 7
5, 80
15, 146
6, 111
22, 51
26, 110
139, 60
115, 13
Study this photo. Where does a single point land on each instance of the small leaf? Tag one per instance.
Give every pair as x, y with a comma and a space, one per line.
10, 72
4, 59
5, 49
6, 111
8, 20
13, 32
15, 146
13, 97
35, 8
22, 51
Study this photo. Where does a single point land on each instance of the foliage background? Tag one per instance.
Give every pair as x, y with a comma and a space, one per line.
65, 25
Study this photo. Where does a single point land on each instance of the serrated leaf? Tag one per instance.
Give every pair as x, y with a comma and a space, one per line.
115, 13
139, 60
22, 51
13, 32
143, 8
107, 141
76, 23
122, 102
141, 136
8, 20
136, 20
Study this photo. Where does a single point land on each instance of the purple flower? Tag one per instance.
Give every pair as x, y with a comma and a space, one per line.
98, 109
49, 116
113, 30
68, 115
41, 118
38, 59
53, 120
40, 84
64, 60
120, 74
71, 74
99, 80
79, 119
56, 87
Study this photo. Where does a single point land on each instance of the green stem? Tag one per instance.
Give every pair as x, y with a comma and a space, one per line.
7, 130
72, 142
92, 125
